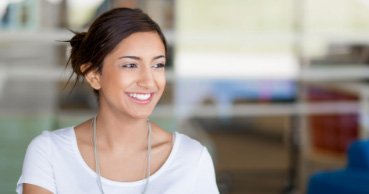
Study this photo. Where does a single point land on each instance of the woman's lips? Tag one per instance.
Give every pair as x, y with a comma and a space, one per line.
141, 98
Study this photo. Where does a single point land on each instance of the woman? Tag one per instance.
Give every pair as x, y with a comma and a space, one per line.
122, 56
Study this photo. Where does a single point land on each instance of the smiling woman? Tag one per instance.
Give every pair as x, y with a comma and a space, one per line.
122, 56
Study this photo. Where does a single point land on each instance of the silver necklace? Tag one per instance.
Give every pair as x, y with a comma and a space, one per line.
97, 163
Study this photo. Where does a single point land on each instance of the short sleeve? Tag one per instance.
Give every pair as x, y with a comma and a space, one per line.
37, 165
205, 181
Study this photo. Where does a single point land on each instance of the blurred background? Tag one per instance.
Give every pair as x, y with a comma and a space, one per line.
276, 90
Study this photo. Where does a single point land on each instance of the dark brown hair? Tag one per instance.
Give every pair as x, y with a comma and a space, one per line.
104, 34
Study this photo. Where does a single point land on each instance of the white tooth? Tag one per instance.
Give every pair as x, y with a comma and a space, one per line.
140, 96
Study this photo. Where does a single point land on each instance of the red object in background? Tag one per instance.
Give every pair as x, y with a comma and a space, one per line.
332, 132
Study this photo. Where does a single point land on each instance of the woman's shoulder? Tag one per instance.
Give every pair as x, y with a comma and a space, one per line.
188, 142
188, 146
63, 132
49, 137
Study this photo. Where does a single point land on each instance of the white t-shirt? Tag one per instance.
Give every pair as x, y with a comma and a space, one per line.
54, 162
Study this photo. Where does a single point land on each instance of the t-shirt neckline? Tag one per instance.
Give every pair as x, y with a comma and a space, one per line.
167, 162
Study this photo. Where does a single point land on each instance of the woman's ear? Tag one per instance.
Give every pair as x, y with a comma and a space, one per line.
92, 77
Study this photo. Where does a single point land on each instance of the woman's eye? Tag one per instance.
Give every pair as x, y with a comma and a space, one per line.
132, 65
159, 65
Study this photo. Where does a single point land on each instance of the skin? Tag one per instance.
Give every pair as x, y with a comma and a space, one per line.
134, 66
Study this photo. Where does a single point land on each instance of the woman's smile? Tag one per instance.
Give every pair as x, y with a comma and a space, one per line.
140, 98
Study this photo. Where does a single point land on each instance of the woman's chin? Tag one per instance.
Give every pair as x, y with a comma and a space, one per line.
141, 116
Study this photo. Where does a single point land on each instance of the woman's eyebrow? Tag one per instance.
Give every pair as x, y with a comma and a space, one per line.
160, 56
130, 57
138, 58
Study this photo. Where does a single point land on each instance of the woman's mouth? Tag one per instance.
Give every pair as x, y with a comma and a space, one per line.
141, 98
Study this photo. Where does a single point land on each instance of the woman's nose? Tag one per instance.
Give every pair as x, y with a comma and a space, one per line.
146, 79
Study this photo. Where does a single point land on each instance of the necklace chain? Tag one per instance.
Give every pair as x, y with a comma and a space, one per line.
97, 162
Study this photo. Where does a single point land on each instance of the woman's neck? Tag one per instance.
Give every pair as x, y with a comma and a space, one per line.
119, 131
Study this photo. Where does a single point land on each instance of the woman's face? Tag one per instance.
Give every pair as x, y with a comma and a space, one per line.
132, 79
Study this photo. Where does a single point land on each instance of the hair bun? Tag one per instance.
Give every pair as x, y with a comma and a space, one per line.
77, 40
